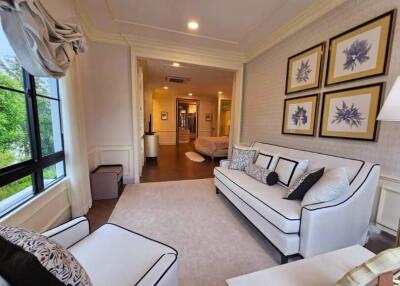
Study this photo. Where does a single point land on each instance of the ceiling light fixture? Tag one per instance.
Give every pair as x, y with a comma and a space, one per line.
165, 87
220, 92
193, 25
190, 94
176, 64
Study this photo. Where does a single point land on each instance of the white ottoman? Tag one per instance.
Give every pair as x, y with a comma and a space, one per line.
321, 270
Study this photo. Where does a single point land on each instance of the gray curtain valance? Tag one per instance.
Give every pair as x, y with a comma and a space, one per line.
43, 45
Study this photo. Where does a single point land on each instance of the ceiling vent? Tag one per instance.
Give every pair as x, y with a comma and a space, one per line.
177, 79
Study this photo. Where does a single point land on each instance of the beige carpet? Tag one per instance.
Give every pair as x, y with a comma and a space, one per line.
213, 240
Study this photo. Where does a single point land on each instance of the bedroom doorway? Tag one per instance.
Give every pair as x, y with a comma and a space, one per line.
187, 115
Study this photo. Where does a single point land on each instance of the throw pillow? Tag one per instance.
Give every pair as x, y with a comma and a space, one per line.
272, 178
300, 187
257, 172
242, 158
386, 261
330, 187
267, 160
28, 258
289, 170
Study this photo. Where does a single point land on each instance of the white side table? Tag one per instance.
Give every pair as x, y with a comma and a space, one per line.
151, 145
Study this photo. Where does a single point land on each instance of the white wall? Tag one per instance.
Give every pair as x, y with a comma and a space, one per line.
264, 90
108, 106
166, 129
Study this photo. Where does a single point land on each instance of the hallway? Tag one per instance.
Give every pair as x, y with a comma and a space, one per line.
172, 165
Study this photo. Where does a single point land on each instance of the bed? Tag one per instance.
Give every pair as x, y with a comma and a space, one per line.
215, 147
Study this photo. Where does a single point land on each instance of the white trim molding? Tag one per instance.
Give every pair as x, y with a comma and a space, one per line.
388, 212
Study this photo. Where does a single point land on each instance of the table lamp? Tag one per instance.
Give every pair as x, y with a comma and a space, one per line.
391, 112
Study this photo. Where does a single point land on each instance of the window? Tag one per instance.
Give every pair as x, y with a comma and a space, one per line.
31, 139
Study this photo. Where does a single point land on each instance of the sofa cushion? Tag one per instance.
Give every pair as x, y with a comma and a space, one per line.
290, 169
267, 160
242, 158
115, 256
266, 200
304, 183
29, 258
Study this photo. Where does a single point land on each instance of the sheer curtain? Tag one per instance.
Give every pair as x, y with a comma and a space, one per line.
76, 156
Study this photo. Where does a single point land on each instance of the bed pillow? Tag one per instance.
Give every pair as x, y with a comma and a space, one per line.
242, 158
28, 258
289, 170
300, 187
261, 174
333, 184
267, 160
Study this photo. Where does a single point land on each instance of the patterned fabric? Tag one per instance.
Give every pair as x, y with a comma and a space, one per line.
388, 260
257, 172
242, 158
302, 184
52, 256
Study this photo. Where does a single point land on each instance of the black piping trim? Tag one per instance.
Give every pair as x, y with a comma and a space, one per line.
269, 241
291, 174
71, 226
348, 198
176, 252
255, 196
358, 160
266, 155
256, 210
154, 264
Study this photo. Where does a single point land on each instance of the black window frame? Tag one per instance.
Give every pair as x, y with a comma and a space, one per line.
33, 167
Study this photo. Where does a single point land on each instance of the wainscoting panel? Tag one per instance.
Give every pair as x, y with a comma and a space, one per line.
388, 212
121, 154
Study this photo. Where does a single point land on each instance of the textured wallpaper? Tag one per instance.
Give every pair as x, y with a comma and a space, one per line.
264, 89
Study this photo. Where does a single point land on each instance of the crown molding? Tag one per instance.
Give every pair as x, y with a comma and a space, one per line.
148, 47
309, 15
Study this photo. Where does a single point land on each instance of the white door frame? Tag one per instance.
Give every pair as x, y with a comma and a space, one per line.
183, 55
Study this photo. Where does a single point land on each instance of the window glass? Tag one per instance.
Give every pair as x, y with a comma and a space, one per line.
46, 86
15, 192
14, 132
49, 123
53, 173
10, 69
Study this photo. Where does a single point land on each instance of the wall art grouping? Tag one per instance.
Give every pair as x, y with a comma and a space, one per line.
360, 52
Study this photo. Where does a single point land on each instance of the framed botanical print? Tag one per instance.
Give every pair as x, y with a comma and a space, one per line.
351, 113
304, 69
164, 115
360, 52
300, 115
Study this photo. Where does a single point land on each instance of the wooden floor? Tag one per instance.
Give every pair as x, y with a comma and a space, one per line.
172, 165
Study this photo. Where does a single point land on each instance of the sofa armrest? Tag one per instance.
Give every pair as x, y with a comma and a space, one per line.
343, 222
69, 233
224, 163
163, 272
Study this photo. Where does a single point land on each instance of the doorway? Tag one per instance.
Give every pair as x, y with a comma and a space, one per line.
187, 123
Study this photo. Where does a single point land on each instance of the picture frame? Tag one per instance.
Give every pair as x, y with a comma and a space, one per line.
360, 52
164, 115
351, 113
300, 115
304, 70
208, 116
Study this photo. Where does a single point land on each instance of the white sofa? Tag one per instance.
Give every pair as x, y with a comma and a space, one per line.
321, 270
304, 231
113, 255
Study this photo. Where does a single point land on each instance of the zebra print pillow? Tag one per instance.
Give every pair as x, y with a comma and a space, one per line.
28, 258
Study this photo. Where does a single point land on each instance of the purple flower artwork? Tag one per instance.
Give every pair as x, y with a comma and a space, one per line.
300, 117
350, 115
357, 54
303, 72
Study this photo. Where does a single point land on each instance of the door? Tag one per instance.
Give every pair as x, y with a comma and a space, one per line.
187, 114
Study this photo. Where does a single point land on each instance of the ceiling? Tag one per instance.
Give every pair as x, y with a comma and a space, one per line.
233, 25
203, 81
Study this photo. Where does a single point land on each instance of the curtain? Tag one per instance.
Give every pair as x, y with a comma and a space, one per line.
43, 45
75, 141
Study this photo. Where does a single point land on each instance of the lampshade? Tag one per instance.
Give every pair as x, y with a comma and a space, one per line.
391, 108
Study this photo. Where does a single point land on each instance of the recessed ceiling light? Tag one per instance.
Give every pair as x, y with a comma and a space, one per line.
190, 94
220, 92
165, 87
176, 64
193, 25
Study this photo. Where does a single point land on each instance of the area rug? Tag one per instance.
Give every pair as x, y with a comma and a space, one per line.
214, 241
195, 157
